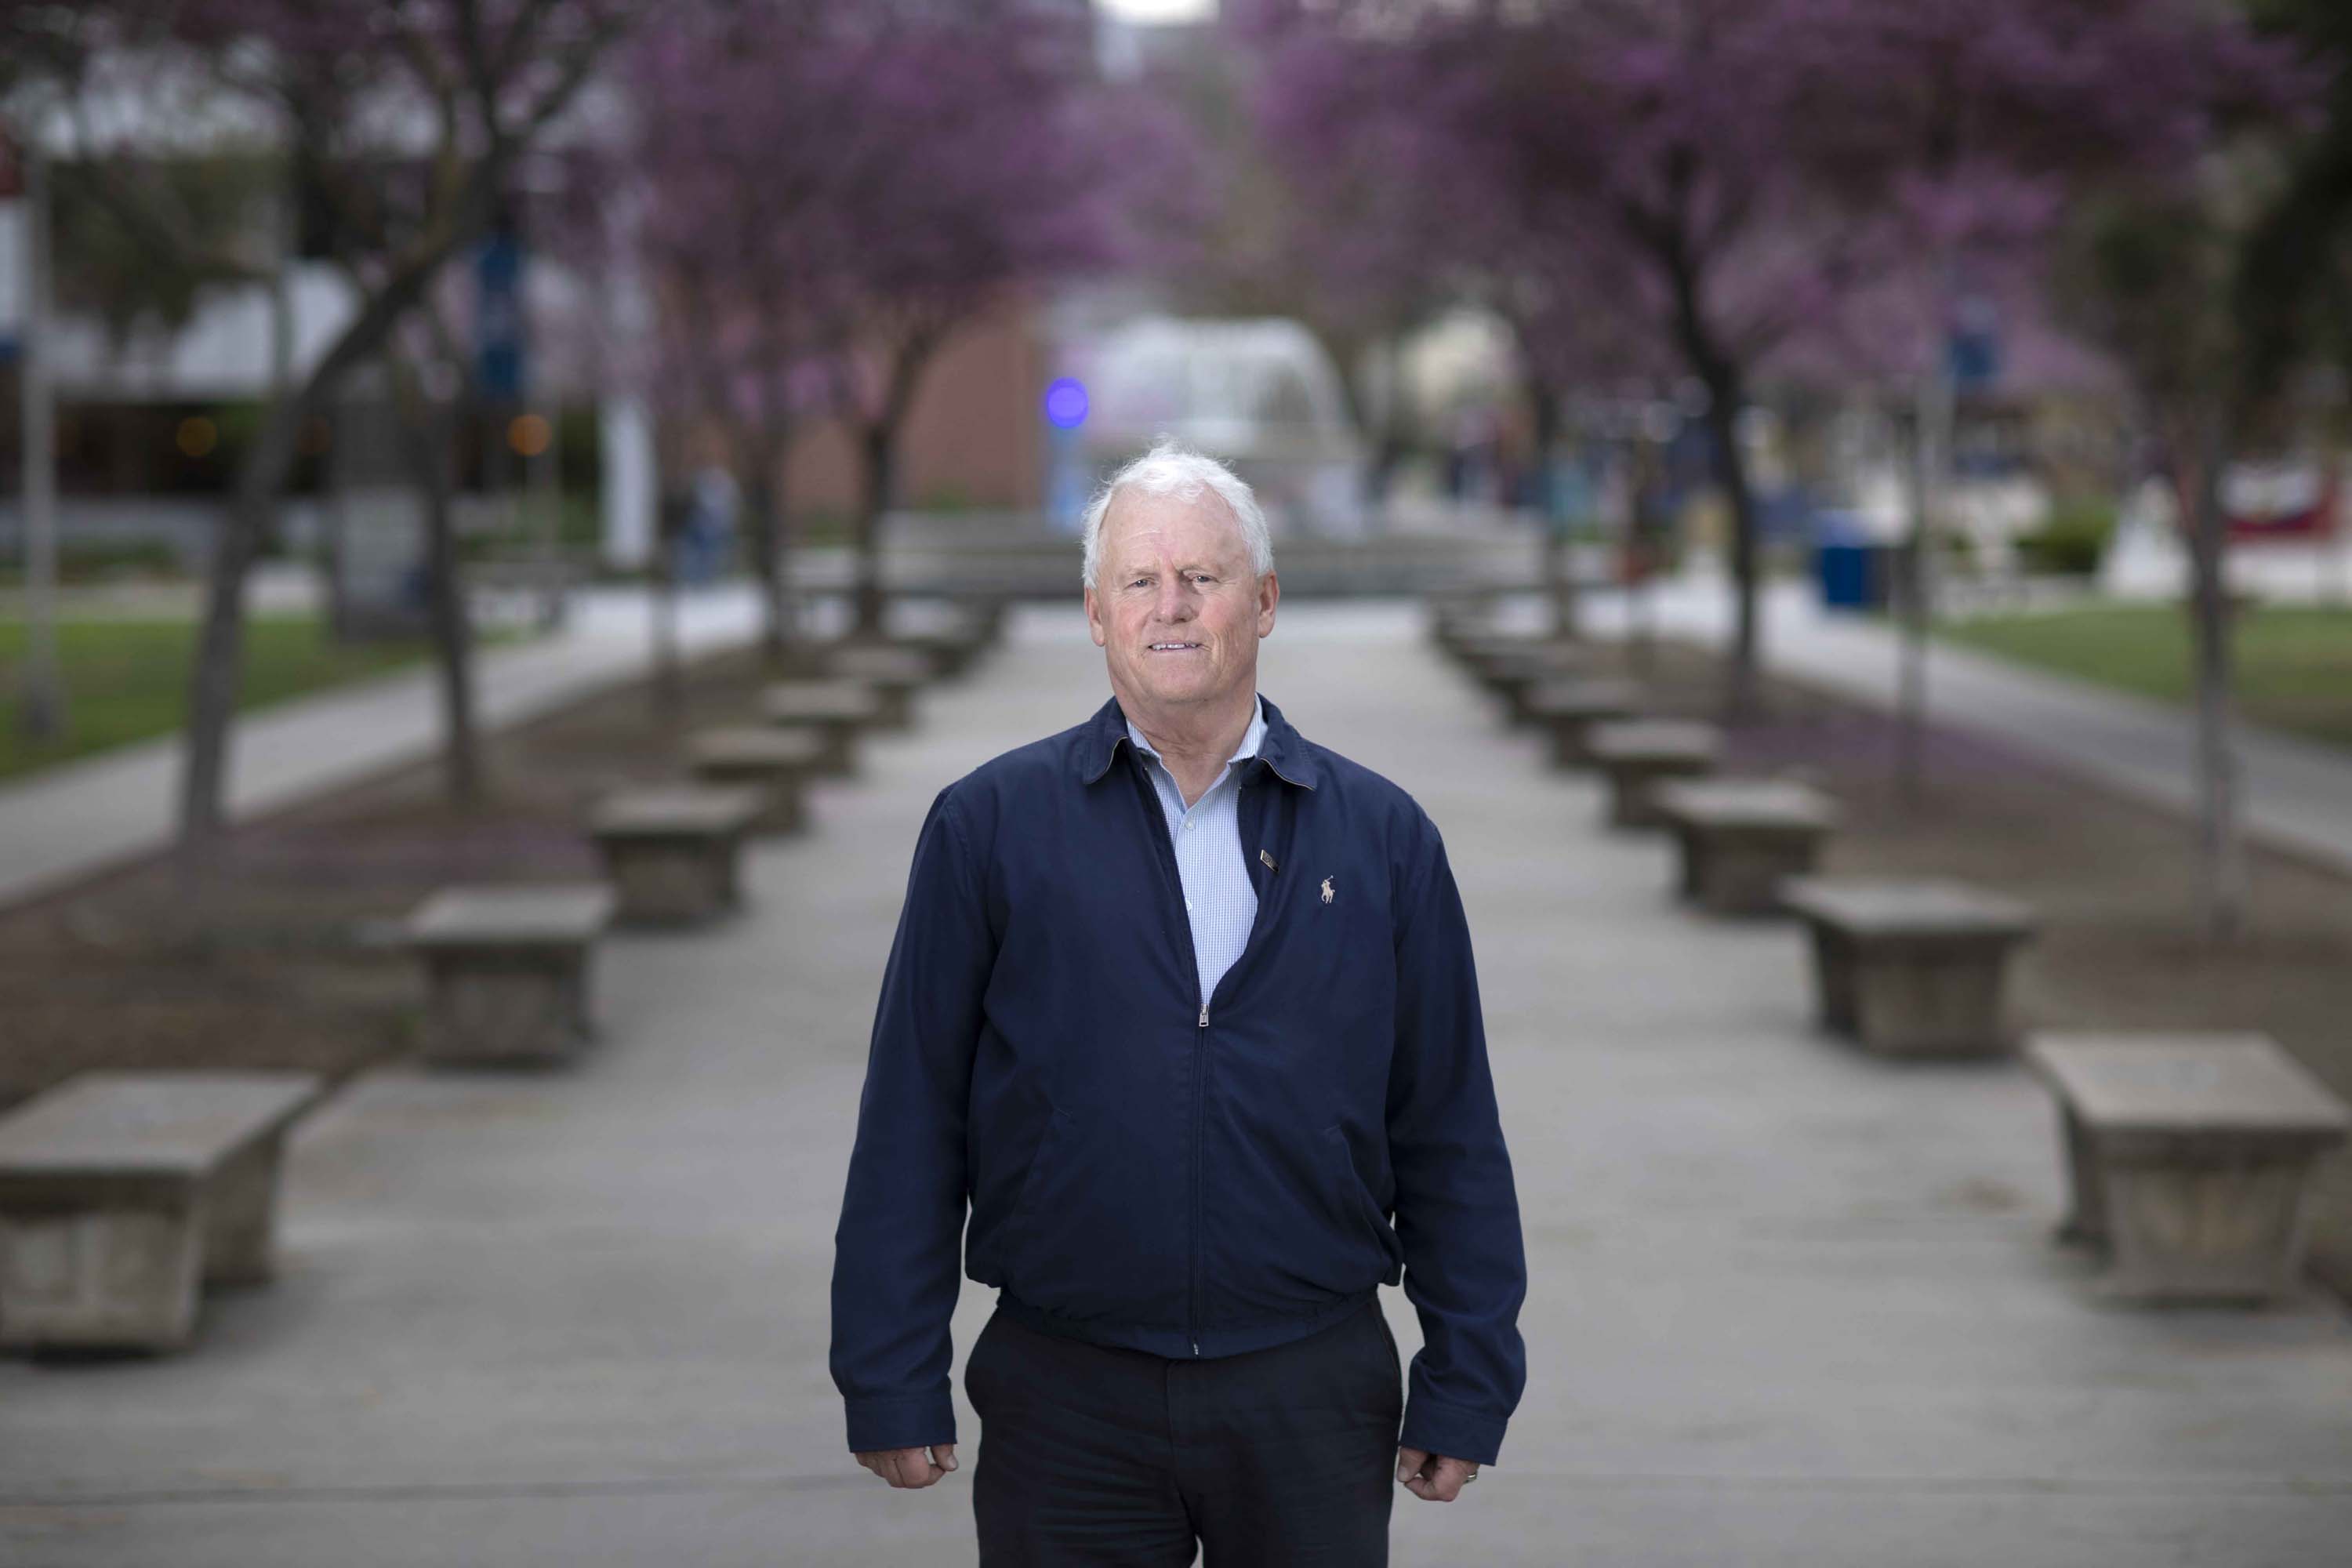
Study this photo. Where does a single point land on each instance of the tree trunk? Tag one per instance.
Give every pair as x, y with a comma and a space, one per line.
764, 532
1559, 579
1719, 373
1724, 399
2221, 857
1387, 431
432, 439
220, 640
666, 689
878, 451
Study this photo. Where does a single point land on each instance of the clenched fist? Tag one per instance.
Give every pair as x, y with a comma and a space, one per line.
910, 1467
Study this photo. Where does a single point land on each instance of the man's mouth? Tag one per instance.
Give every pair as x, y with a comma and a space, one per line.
1172, 647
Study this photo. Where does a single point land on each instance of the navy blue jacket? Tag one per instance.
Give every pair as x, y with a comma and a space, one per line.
1144, 1171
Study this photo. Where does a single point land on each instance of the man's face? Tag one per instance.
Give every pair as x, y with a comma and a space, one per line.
1175, 608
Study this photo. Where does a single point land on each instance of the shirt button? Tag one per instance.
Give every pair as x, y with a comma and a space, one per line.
1188, 906
1188, 826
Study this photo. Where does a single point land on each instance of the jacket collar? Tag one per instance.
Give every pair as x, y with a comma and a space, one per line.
1283, 752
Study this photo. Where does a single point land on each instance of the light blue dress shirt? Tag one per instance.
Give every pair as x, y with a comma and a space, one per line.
1218, 898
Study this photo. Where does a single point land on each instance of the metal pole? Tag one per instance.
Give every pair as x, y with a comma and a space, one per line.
44, 714
545, 479
1933, 411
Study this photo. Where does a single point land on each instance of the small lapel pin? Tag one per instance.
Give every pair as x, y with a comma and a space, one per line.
1326, 889
1268, 858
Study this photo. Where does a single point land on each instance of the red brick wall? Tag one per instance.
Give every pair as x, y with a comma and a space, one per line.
972, 438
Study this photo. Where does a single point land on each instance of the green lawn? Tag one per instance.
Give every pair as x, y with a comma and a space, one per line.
2295, 664
128, 679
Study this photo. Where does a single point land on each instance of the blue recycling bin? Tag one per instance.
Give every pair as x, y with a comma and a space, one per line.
1850, 567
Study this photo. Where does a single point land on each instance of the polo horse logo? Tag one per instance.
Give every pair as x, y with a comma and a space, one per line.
1326, 889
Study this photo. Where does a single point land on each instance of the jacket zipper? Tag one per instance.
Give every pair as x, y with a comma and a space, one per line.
1200, 1099
1166, 842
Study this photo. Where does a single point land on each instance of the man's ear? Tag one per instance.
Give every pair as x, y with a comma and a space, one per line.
1269, 594
1095, 628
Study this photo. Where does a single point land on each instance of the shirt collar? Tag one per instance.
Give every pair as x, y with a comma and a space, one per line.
1246, 750
1278, 748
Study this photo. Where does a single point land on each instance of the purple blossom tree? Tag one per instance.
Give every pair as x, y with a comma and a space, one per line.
406, 119
976, 156
833, 191
1747, 164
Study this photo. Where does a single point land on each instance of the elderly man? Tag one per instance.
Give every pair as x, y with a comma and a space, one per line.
1183, 1004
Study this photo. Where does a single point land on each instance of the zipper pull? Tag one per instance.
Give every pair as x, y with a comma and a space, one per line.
1204, 1015
1196, 1347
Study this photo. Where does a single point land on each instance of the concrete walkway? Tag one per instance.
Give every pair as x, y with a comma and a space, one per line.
67, 822
2297, 793
1789, 1306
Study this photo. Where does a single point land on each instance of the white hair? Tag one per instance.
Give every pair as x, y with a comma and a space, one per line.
1171, 468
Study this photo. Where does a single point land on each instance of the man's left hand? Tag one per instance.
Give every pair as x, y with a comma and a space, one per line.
1433, 1478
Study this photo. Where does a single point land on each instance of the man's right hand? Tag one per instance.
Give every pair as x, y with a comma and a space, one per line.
910, 1467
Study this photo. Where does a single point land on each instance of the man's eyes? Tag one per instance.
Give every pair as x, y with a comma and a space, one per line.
1146, 582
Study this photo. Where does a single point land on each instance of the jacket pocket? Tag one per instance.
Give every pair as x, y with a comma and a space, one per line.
1033, 1180
1356, 1198
1093, 1234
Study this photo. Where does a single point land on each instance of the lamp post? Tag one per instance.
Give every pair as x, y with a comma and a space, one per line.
43, 716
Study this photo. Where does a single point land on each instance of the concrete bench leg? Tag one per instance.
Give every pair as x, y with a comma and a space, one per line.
1633, 801
2216, 1220
781, 811
1833, 981
840, 756
1567, 745
1628, 799
240, 1210
2086, 1221
109, 1276
1741, 876
507, 1006
1931, 1001
672, 884
1907, 999
784, 813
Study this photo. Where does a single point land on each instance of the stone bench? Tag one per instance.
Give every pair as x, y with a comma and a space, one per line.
957, 629
123, 1194
896, 672
1638, 756
1469, 602
777, 763
983, 614
507, 970
2190, 1158
1740, 838
1515, 674
1465, 636
1455, 633
834, 711
671, 854
1910, 968
1566, 708
1477, 649
951, 650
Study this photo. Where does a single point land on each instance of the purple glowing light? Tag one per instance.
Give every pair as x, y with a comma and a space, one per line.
1066, 404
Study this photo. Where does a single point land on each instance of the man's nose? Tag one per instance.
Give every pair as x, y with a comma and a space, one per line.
1175, 603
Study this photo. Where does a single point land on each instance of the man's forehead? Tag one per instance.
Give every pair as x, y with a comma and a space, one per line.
1153, 526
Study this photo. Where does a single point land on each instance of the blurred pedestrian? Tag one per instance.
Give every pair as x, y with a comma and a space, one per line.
710, 529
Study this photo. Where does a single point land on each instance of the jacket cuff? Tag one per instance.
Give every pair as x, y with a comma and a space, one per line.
901, 1421
1436, 1427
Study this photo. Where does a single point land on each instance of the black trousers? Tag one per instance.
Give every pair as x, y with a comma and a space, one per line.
1119, 1459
